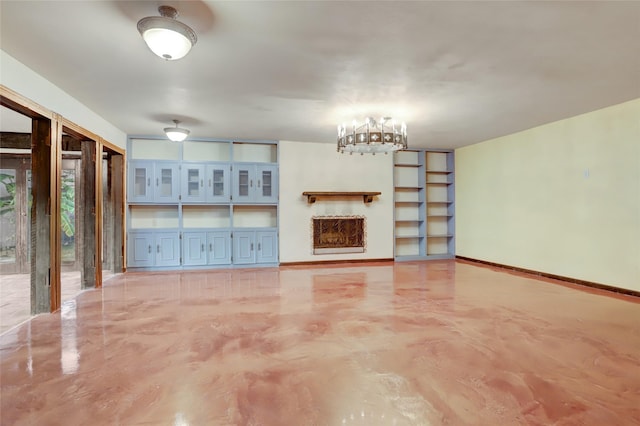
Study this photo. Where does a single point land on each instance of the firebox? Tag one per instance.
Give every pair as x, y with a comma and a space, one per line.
338, 234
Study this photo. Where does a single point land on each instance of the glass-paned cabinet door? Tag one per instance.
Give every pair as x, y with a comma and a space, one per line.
217, 183
243, 189
166, 180
141, 175
267, 184
193, 182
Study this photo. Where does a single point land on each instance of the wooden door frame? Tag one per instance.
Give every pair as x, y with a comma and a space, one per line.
46, 136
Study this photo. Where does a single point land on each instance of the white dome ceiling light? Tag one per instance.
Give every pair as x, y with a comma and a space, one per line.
166, 37
176, 134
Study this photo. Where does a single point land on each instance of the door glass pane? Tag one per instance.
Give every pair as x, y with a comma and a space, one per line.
68, 215
8, 216
266, 183
166, 180
218, 182
243, 183
193, 182
140, 182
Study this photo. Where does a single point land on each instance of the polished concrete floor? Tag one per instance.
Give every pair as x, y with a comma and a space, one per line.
15, 295
425, 343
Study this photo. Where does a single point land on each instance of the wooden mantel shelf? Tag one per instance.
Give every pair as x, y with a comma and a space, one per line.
367, 197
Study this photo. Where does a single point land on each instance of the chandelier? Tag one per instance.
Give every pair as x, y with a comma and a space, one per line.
372, 136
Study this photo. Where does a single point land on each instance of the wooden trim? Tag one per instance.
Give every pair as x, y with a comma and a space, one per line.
98, 214
112, 147
590, 284
336, 262
367, 197
19, 103
78, 131
55, 193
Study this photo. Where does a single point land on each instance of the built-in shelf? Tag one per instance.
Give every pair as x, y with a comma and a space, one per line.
424, 193
367, 197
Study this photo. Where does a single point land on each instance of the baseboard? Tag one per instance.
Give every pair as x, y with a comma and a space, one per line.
555, 277
335, 262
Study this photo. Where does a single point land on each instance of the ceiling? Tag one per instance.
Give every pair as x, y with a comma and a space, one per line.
458, 72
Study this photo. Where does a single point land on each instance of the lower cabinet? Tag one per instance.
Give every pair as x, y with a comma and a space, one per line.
148, 249
255, 246
154, 248
206, 248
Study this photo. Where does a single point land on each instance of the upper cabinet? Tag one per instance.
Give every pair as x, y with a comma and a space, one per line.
205, 182
153, 182
255, 183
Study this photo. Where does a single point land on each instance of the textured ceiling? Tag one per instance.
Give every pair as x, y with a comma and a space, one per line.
457, 72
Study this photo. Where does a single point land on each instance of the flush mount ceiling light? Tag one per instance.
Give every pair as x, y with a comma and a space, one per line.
166, 37
176, 134
372, 136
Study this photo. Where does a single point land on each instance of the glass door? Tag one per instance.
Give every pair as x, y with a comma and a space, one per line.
14, 217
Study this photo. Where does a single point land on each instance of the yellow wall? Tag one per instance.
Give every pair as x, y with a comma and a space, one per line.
563, 198
318, 167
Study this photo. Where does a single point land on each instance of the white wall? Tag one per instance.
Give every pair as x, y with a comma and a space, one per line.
306, 166
21, 79
563, 198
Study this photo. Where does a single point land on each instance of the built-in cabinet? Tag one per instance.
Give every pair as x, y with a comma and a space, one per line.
202, 204
424, 206
255, 183
153, 182
255, 247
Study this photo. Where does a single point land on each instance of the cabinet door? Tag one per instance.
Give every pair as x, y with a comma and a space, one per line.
217, 183
267, 247
140, 178
243, 183
243, 247
166, 183
193, 182
194, 249
219, 247
141, 250
167, 249
267, 183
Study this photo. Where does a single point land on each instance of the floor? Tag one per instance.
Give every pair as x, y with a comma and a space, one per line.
15, 295
424, 343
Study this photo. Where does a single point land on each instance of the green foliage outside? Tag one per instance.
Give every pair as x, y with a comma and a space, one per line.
67, 200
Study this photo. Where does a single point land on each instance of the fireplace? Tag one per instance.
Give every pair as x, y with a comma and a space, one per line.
338, 234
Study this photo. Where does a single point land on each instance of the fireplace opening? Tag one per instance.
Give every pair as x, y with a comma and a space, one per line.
338, 234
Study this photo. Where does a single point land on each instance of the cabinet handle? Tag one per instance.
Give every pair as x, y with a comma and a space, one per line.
210, 247
251, 246
201, 183
258, 246
251, 183
149, 248
157, 182
148, 181
158, 248
201, 247
258, 183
